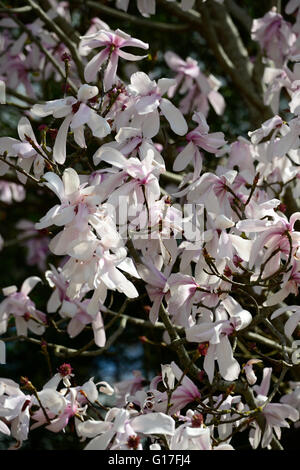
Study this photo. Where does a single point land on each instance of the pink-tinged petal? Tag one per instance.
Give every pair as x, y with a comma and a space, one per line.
64, 216
111, 156
99, 331
48, 218
133, 42
209, 362
63, 111
278, 297
228, 366
122, 284
140, 83
253, 225
217, 101
99, 295
248, 369
93, 67
59, 149
24, 128
7, 145
255, 437
81, 117
263, 388
99, 125
150, 124
184, 157
174, 61
29, 284
71, 181
55, 184
154, 423
60, 244
79, 136
164, 84
100, 442
92, 428
174, 117
131, 57
111, 72
26, 164
291, 325
75, 327
83, 250
243, 247
154, 312
286, 308
147, 104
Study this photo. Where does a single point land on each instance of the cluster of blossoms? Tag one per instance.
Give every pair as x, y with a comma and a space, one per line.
214, 251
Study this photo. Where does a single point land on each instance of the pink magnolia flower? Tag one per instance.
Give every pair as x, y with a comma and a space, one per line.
276, 414
128, 387
194, 435
77, 312
199, 137
14, 409
293, 321
156, 286
60, 409
274, 35
22, 308
148, 98
126, 427
211, 190
76, 113
113, 43
143, 182
201, 89
187, 392
229, 317
274, 236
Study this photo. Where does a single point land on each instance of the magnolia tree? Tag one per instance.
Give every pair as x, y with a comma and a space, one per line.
141, 214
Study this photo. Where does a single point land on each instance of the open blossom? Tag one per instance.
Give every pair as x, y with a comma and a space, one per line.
276, 235
274, 36
142, 176
18, 304
276, 414
126, 427
183, 394
232, 317
113, 43
200, 90
23, 149
14, 409
148, 98
76, 113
